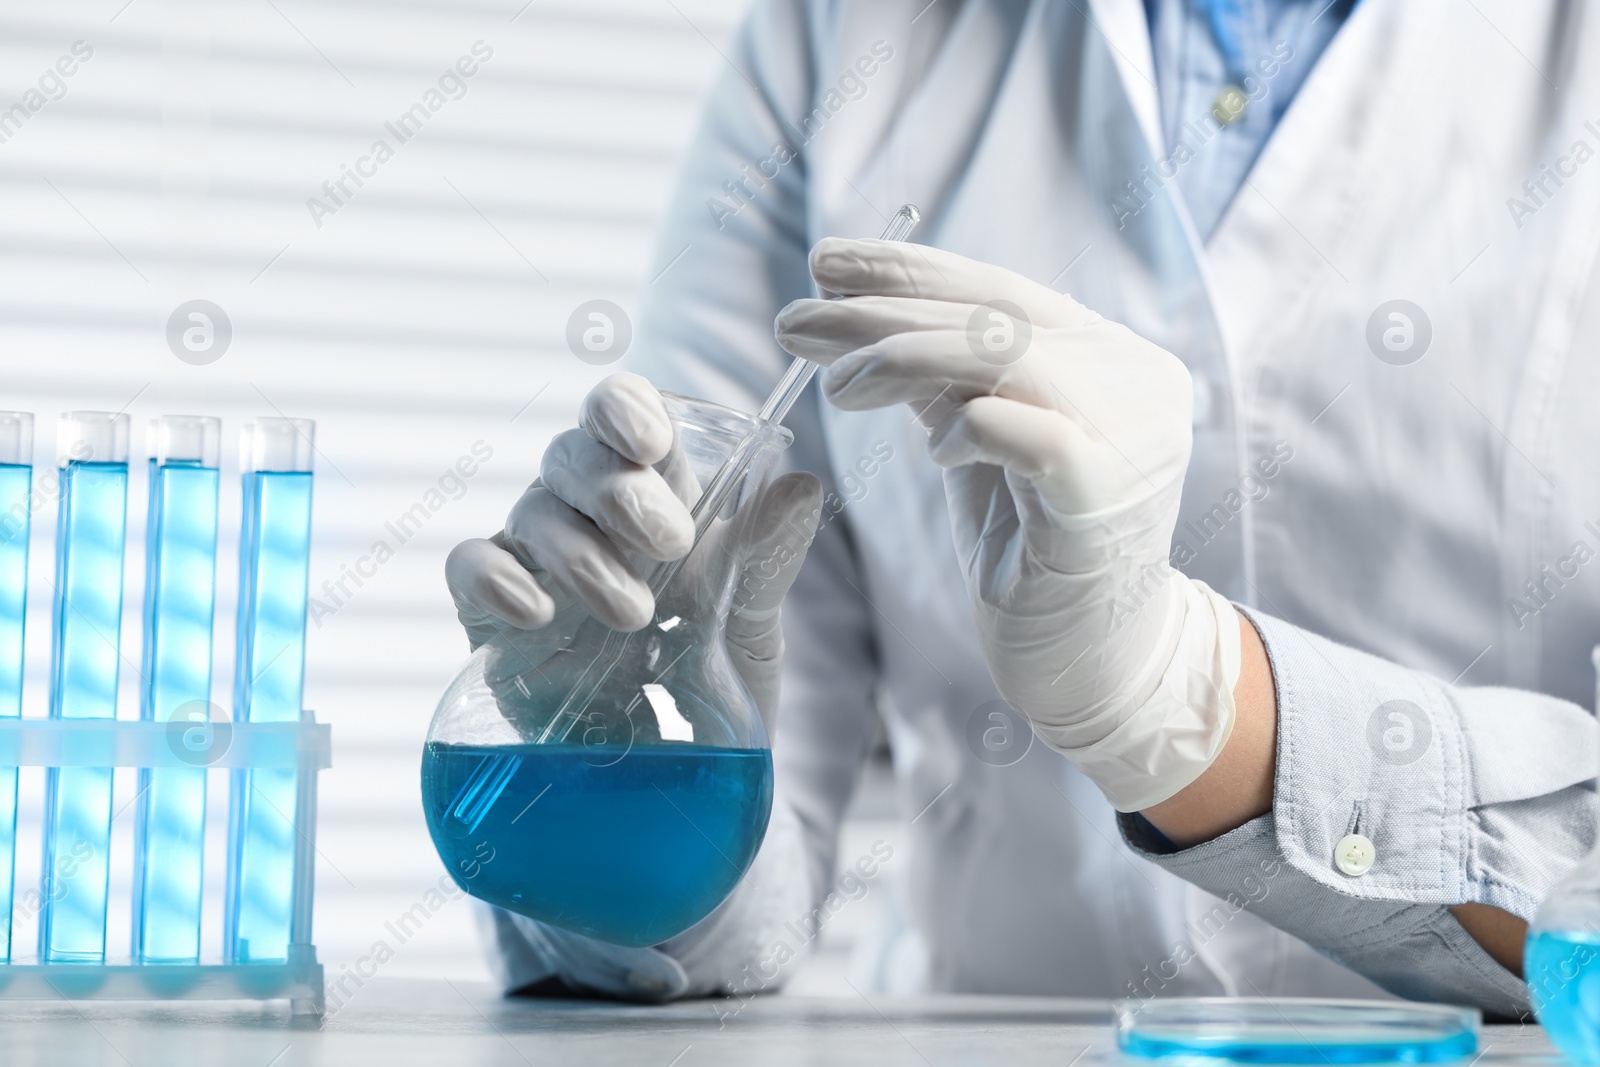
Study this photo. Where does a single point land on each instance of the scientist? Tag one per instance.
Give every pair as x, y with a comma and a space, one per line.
1240, 392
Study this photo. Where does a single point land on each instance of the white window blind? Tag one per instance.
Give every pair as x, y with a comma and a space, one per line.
417, 315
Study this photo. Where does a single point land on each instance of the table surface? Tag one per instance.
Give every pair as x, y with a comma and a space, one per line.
398, 1022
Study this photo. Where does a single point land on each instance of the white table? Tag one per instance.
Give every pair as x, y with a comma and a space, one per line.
397, 1023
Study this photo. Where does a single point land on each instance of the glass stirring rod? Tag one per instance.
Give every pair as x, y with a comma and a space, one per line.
491, 777
800, 372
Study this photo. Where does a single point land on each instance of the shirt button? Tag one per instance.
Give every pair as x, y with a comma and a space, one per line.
1230, 105
1353, 855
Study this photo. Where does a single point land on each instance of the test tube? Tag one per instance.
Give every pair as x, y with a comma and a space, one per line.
90, 533
16, 488
179, 595
269, 677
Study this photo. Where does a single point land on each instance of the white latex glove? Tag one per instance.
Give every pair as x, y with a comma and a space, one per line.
612, 495
1064, 453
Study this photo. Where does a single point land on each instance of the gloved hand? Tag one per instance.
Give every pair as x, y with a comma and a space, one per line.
611, 496
1064, 439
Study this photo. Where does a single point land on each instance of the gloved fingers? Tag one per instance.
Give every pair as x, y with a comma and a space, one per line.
640, 974
932, 413
578, 559
1107, 375
915, 366
1077, 466
630, 502
625, 413
678, 472
776, 532
824, 330
1074, 470
893, 268
775, 535
1029, 441
487, 583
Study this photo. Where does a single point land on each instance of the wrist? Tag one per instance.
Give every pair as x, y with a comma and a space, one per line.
1172, 709
1238, 785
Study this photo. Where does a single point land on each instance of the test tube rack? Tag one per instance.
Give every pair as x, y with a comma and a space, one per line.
82, 745
235, 747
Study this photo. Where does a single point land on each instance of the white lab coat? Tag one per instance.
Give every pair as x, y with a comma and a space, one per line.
1415, 502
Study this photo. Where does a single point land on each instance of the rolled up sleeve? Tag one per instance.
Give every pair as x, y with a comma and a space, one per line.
1460, 795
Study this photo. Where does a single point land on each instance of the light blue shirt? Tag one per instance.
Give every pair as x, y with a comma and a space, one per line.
1264, 48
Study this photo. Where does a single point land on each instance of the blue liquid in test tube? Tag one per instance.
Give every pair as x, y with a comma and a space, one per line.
83, 680
16, 484
274, 574
180, 593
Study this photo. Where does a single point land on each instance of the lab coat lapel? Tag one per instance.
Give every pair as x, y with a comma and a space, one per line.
1149, 270
1282, 234
1126, 30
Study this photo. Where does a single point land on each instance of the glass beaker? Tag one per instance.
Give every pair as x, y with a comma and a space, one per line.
618, 785
1561, 961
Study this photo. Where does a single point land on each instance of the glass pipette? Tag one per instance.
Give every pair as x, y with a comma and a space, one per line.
481, 791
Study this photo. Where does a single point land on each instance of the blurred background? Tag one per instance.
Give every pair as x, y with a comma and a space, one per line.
418, 317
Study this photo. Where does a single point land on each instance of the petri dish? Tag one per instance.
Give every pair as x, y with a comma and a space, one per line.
1289, 1030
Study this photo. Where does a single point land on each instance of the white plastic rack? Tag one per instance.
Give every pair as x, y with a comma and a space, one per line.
235, 747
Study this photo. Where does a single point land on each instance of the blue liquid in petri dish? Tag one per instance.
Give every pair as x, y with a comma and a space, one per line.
1295, 1031
274, 570
1563, 974
180, 593
85, 657
632, 852
1287, 1050
16, 482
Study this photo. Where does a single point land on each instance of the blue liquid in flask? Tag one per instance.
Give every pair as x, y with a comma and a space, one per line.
630, 850
180, 593
16, 482
274, 571
1563, 974
85, 658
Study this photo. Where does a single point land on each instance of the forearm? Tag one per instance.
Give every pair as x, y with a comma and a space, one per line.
1238, 787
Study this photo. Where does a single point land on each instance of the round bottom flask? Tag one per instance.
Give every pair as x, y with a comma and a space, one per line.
1561, 961
616, 784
